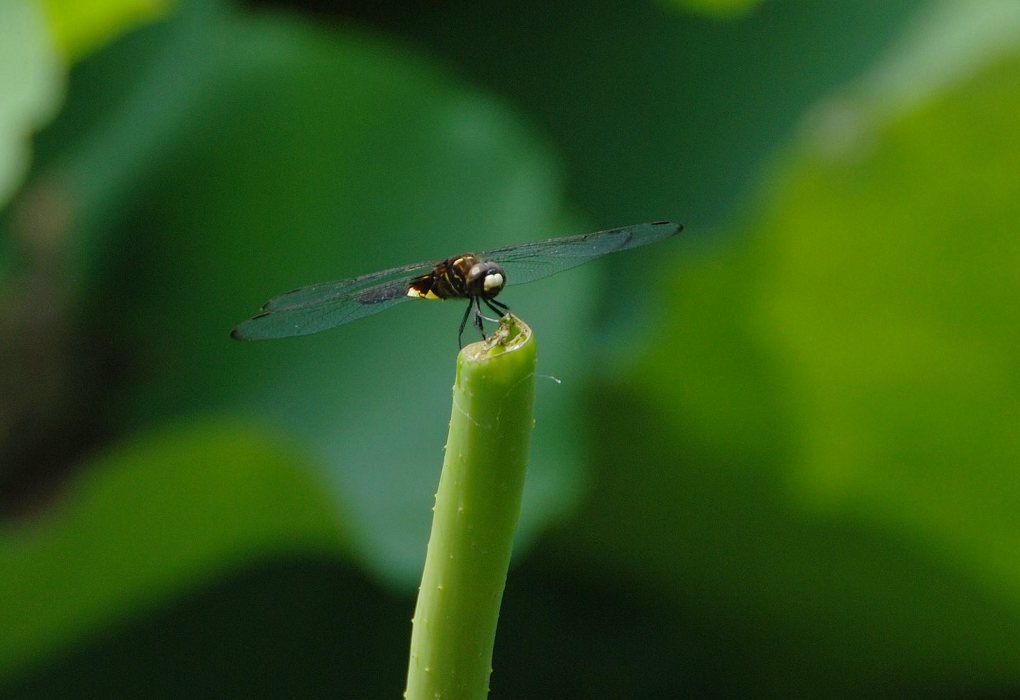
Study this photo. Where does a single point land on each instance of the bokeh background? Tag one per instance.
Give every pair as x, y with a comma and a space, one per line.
776, 457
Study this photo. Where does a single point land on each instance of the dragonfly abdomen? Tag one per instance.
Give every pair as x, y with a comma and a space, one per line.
452, 279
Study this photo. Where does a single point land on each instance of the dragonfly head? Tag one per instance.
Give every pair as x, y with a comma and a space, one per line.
485, 279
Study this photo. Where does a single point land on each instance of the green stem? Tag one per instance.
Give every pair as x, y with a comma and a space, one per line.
475, 516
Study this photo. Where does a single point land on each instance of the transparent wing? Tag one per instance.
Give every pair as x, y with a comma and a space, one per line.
320, 306
533, 261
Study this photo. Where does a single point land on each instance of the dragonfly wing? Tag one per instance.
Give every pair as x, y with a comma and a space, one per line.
533, 261
326, 292
309, 319
321, 306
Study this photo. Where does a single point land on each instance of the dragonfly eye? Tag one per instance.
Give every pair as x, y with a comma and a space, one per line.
486, 279
493, 282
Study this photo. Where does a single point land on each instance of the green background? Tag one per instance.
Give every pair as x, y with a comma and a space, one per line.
775, 457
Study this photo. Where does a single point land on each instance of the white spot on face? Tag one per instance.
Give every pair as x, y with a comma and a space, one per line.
493, 280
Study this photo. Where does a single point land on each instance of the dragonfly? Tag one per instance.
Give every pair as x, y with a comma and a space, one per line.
478, 278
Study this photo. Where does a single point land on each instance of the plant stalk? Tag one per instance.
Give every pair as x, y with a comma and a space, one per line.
475, 516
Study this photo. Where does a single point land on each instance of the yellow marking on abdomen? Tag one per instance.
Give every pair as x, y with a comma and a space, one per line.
412, 292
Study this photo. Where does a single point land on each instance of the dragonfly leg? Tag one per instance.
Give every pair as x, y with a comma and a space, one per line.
475, 305
499, 307
496, 306
478, 316
463, 322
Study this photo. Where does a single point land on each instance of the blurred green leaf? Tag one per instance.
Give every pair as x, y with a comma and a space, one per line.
258, 154
820, 447
718, 8
657, 113
301, 626
82, 27
900, 329
150, 518
942, 46
31, 82
36, 40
